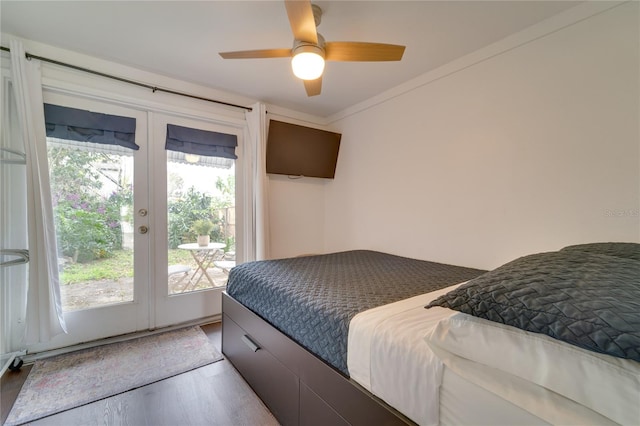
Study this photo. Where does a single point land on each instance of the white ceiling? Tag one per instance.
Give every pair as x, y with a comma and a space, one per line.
182, 39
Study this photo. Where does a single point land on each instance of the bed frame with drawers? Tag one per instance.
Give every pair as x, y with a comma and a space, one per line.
298, 387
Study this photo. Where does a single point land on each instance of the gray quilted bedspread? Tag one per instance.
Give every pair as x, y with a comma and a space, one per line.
579, 296
312, 299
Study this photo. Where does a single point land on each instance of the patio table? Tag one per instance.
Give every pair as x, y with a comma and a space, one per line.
203, 256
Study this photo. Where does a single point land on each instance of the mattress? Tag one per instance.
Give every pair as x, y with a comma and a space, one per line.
439, 366
312, 299
465, 403
556, 381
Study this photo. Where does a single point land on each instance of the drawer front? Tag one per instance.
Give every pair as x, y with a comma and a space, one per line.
315, 412
279, 345
276, 385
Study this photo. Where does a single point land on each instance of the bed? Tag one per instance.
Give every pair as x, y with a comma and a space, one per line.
363, 337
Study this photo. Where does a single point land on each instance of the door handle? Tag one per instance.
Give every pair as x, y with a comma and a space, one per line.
143, 229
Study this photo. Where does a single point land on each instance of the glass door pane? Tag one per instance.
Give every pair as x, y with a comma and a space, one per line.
201, 221
92, 193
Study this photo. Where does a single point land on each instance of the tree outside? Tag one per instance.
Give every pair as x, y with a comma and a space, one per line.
88, 222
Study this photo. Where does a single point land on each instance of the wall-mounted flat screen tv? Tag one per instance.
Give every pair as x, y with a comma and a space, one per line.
301, 151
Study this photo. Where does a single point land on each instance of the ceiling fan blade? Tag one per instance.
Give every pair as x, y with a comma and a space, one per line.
361, 51
301, 20
313, 87
250, 54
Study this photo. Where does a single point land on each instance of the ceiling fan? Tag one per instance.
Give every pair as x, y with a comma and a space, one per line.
310, 49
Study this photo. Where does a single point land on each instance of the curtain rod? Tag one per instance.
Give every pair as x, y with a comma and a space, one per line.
125, 80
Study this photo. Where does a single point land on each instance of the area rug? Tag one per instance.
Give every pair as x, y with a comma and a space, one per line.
67, 381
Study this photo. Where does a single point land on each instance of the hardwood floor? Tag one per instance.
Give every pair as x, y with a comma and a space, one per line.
214, 394
9, 389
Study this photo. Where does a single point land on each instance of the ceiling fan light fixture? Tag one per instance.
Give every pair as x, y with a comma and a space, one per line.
308, 62
310, 50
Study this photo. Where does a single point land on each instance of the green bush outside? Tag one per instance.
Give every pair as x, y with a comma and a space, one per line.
88, 225
184, 211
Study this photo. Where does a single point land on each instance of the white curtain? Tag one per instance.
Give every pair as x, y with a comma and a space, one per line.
13, 225
256, 154
44, 318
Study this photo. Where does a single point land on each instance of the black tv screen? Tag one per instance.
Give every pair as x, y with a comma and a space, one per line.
301, 151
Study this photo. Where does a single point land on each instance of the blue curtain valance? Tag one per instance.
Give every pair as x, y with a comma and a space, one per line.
86, 126
201, 142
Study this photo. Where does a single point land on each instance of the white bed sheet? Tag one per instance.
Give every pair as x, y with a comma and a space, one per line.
387, 355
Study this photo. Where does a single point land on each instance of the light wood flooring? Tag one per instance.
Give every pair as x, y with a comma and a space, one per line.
214, 394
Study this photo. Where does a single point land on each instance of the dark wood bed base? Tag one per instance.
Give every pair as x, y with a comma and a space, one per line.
298, 387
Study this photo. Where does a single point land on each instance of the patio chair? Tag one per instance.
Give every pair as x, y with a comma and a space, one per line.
179, 269
225, 265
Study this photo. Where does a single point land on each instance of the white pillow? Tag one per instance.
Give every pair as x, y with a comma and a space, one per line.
605, 384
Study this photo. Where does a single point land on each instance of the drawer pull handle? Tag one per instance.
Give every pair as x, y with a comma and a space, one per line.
252, 345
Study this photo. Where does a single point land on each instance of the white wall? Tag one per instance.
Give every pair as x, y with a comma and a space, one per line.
529, 150
296, 209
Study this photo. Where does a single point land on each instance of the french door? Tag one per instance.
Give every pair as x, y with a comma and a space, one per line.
121, 270
98, 192
189, 278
